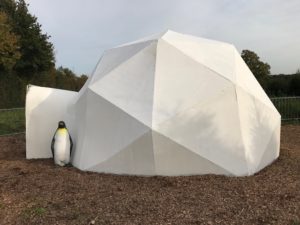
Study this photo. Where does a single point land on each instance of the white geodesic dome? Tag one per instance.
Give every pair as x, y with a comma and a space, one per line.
173, 104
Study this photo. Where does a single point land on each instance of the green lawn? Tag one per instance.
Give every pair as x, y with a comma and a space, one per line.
12, 121
288, 108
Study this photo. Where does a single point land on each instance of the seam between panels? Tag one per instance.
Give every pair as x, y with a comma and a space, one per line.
235, 52
238, 109
85, 127
212, 70
83, 141
154, 83
153, 152
153, 104
94, 70
241, 130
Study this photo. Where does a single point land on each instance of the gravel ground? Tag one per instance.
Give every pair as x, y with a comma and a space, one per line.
37, 192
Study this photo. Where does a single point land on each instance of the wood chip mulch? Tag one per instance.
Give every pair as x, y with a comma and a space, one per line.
37, 192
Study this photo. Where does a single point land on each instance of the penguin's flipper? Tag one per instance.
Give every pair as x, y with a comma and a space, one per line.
71, 144
52, 145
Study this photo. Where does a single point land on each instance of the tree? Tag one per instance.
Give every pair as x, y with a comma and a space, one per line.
81, 81
36, 51
26, 56
257, 67
9, 47
294, 88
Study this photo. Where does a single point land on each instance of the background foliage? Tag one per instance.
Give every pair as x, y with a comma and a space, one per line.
274, 85
27, 56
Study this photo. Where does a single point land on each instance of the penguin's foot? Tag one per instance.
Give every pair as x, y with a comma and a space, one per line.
69, 165
59, 164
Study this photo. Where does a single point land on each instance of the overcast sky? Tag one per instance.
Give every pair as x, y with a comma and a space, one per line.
82, 29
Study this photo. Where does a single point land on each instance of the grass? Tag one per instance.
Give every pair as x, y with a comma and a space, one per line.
289, 108
38, 211
12, 121
295, 222
33, 212
291, 122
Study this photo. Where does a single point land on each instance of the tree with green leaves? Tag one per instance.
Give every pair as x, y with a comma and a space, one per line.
294, 87
260, 69
36, 51
9, 47
27, 56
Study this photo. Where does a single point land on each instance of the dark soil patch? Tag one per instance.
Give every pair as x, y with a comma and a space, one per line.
37, 192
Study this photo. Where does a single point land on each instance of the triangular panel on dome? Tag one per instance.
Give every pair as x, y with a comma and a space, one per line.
211, 130
258, 123
171, 158
181, 82
269, 153
217, 56
114, 57
136, 158
130, 86
108, 130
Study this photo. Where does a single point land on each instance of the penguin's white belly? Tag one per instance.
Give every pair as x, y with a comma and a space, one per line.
62, 148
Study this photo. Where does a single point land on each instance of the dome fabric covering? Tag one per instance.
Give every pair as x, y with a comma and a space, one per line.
171, 104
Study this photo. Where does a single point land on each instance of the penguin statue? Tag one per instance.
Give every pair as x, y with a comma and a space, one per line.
61, 145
